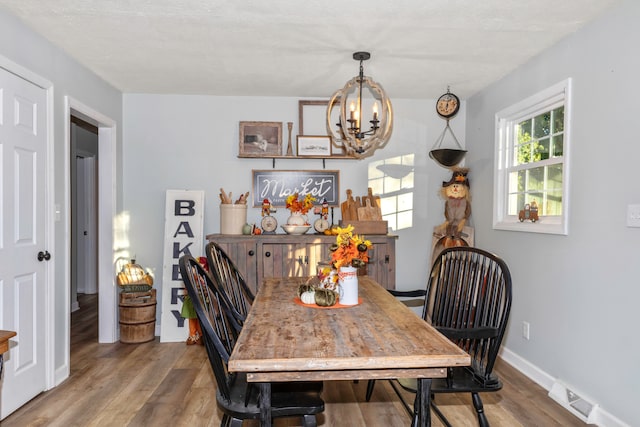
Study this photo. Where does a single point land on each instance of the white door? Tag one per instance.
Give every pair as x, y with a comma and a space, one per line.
85, 244
23, 151
81, 229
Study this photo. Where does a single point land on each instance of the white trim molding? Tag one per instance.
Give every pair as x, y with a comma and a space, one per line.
505, 121
559, 391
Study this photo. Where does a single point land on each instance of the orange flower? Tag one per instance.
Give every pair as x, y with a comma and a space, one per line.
349, 249
295, 205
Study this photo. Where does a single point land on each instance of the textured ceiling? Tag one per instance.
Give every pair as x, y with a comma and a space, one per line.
303, 48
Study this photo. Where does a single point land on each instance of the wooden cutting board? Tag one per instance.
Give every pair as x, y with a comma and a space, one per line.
349, 208
368, 212
375, 200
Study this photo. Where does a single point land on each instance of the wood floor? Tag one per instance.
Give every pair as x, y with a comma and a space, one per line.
171, 384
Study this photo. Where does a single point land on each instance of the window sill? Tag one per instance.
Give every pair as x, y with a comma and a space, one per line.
543, 225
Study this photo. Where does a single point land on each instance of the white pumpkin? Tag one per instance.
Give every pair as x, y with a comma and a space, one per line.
308, 297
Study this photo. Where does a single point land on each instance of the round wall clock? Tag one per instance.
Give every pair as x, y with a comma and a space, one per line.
269, 224
447, 105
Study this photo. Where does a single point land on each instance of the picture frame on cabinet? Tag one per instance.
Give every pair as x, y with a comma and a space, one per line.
260, 139
313, 145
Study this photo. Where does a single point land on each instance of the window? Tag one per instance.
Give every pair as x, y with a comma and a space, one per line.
392, 179
531, 167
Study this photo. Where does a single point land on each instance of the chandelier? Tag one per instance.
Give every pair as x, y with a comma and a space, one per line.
361, 94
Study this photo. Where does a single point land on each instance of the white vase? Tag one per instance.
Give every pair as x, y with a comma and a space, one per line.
297, 218
348, 285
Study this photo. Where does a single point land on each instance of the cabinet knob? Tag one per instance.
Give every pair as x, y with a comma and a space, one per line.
386, 259
267, 254
251, 252
306, 259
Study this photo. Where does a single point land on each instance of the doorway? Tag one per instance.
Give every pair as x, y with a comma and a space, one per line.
84, 198
105, 191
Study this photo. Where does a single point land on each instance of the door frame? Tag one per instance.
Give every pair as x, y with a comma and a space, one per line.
50, 212
107, 137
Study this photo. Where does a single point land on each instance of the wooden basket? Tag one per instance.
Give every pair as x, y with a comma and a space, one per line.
137, 316
137, 313
139, 333
138, 297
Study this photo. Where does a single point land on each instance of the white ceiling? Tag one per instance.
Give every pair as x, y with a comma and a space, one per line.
303, 48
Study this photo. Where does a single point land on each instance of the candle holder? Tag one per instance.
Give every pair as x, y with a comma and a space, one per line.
289, 148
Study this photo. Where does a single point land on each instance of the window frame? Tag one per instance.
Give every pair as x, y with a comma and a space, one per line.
505, 121
380, 185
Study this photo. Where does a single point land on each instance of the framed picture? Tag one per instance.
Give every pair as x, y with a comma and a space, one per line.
312, 117
260, 139
313, 145
276, 185
312, 120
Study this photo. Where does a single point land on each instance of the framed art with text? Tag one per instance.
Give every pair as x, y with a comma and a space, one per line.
277, 185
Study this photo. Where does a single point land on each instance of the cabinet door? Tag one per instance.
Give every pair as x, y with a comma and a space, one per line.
317, 253
284, 260
293, 259
244, 256
382, 264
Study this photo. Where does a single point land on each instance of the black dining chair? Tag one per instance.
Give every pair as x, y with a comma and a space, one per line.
220, 332
468, 299
229, 279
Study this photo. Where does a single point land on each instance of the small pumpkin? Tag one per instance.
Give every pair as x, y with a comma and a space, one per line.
326, 297
308, 297
304, 288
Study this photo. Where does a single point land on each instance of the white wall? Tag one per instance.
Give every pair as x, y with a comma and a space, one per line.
191, 142
579, 292
22, 46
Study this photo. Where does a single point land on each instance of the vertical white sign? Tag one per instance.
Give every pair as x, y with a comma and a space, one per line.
183, 234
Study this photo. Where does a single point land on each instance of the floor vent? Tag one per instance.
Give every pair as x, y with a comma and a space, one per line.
576, 404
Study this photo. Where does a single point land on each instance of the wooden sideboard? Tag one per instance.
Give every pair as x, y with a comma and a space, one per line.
284, 255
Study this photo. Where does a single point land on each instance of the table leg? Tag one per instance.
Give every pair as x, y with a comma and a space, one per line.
421, 406
265, 404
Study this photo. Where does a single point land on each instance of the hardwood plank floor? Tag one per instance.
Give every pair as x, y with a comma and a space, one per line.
171, 384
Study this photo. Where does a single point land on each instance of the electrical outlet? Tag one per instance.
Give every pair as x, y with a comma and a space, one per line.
525, 330
633, 216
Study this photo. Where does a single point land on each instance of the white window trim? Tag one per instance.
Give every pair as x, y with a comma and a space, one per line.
542, 101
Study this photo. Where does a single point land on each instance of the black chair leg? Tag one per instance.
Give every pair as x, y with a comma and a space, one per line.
370, 386
477, 403
309, 421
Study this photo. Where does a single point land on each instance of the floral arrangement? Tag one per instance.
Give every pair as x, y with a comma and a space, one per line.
296, 205
349, 249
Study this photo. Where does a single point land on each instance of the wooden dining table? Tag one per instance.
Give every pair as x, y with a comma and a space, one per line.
379, 338
4, 346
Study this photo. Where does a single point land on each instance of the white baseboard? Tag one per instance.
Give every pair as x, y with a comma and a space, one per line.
75, 306
60, 374
557, 391
534, 373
